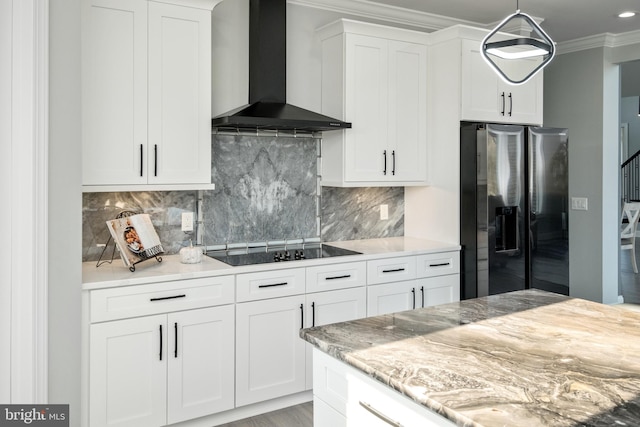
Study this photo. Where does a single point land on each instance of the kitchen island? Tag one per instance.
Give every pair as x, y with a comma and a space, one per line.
526, 358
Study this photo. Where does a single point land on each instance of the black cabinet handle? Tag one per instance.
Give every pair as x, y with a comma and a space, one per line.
175, 348
510, 104
313, 314
160, 342
393, 163
442, 264
413, 291
271, 285
393, 270
384, 154
141, 162
155, 160
422, 292
165, 298
503, 102
301, 316
345, 276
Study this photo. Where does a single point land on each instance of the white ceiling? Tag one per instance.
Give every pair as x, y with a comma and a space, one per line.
563, 19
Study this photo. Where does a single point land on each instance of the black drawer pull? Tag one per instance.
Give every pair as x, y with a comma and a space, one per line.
164, 298
273, 284
346, 276
442, 264
160, 342
394, 270
175, 348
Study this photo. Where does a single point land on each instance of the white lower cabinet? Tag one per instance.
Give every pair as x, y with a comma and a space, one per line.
324, 308
345, 397
439, 290
270, 355
392, 297
158, 370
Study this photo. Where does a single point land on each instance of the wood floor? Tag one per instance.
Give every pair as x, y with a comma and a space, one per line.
295, 416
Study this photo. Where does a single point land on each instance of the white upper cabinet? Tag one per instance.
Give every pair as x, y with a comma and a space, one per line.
376, 78
487, 98
146, 92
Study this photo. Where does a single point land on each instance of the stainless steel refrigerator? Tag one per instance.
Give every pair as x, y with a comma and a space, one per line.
514, 227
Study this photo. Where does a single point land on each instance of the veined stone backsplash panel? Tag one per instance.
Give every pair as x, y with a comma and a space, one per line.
354, 213
267, 188
164, 208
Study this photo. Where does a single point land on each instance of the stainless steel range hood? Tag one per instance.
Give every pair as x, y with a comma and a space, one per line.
268, 108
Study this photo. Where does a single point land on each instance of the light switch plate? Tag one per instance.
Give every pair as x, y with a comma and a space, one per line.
384, 212
579, 203
187, 221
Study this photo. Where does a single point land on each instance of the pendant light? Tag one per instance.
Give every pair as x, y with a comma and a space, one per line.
501, 51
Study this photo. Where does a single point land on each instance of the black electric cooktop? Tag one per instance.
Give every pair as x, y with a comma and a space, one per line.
279, 255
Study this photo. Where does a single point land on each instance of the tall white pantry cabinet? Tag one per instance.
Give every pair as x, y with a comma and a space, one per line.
146, 92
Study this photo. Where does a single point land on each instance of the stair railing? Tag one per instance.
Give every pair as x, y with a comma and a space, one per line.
630, 178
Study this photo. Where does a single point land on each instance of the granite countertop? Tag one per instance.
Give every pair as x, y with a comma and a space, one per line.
526, 358
151, 271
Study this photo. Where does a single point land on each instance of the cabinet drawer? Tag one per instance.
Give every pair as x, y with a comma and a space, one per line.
133, 301
270, 284
438, 264
391, 270
336, 276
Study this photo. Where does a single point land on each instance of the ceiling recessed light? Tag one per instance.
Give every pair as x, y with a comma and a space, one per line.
626, 14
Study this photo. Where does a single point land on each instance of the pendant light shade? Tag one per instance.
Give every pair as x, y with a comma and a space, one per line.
498, 52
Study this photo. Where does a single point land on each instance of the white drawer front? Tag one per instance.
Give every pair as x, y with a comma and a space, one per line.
336, 276
391, 270
142, 300
270, 284
438, 264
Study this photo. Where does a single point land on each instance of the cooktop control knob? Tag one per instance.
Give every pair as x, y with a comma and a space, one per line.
299, 254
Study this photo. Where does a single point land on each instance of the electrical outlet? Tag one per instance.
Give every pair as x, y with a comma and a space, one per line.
187, 221
384, 212
579, 203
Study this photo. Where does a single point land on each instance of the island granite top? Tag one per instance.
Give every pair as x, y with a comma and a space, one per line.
526, 358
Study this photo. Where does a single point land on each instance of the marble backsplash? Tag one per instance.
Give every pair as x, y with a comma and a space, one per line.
267, 188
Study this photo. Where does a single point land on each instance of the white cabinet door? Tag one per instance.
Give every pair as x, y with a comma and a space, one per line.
407, 111
179, 95
526, 99
487, 98
392, 297
114, 92
376, 78
439, 290
200, 362
324, 308
128, 372
270, 356
146, 93
367, 100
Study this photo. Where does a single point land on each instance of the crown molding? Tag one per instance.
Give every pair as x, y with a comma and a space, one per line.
381, 12
599, 40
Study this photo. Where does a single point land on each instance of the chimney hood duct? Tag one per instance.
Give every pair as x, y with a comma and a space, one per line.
268, 108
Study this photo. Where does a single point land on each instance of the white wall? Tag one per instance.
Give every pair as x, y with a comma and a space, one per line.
65, 206
5, 194
581, 93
